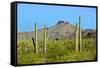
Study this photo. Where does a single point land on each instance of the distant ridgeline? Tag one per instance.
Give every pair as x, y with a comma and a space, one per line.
62, 30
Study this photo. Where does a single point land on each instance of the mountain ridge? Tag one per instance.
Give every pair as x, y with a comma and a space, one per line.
61, 30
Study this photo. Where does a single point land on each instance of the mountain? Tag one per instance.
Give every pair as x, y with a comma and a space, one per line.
61, 30
89, 33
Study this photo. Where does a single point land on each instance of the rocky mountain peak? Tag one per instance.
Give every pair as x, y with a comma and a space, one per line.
62, 22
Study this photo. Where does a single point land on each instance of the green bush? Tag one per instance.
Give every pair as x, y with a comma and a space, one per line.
57, 51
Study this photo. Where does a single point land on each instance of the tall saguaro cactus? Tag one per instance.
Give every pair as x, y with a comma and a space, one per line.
80, 36
36, 42
77, 37
44, 39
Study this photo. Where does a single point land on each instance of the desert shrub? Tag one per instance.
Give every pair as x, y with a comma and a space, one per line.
57, 51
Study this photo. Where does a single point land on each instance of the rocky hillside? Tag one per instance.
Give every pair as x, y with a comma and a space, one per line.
61, 30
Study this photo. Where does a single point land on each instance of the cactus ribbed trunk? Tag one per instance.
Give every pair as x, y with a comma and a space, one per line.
44, 40
77, 38
47, 35
36, 42
80, 36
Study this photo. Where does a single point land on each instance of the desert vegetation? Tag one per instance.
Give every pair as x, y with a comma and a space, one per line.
45, 50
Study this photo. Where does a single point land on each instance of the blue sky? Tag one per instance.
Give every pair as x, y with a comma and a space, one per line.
49, 15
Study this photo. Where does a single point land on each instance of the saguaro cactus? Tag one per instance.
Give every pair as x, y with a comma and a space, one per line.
80, 36
36, 42
47, 34
77, 37
44, 39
